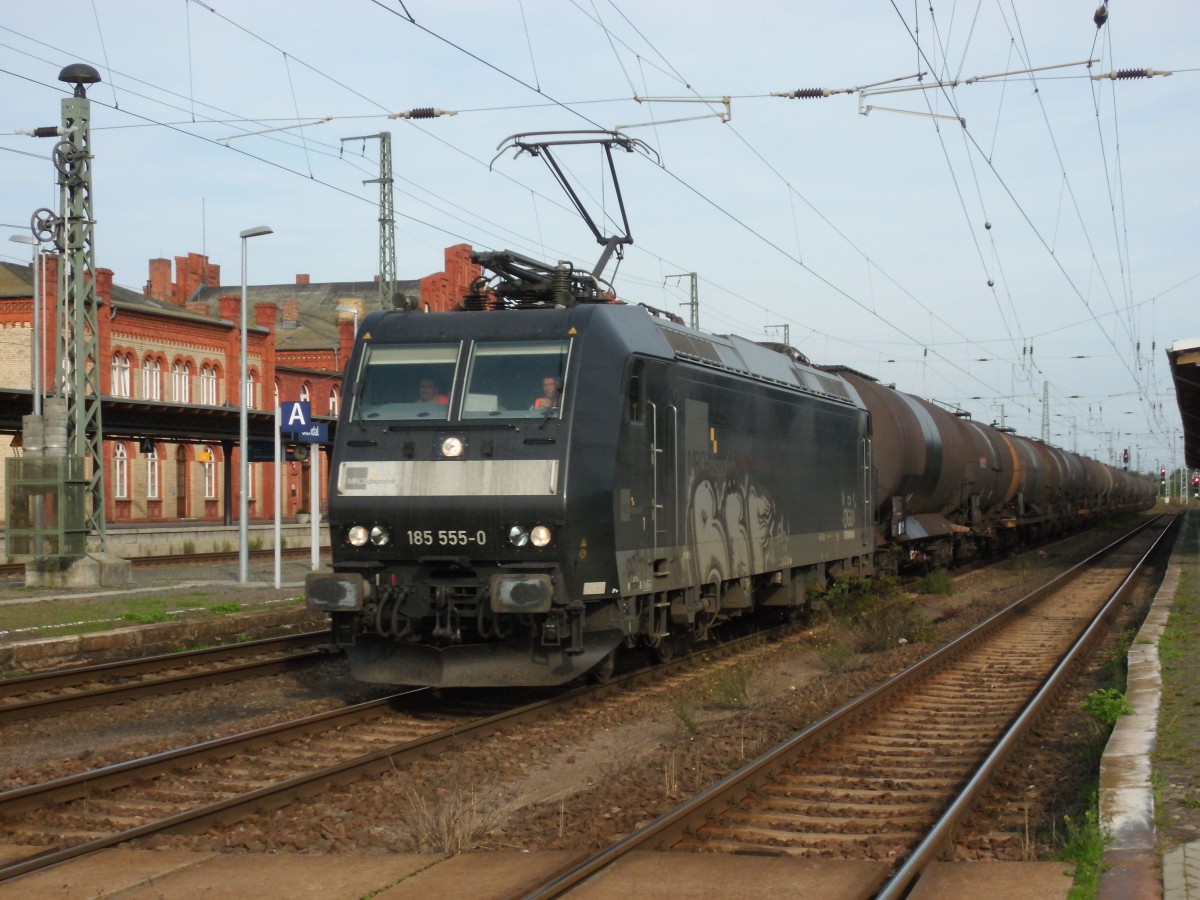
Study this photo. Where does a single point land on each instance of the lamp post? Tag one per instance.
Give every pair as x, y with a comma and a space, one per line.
244, 424
36, 354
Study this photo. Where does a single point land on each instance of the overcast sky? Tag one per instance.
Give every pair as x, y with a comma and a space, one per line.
971, 243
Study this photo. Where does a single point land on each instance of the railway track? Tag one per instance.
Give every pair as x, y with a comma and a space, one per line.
892, 775
227, 779
64, 690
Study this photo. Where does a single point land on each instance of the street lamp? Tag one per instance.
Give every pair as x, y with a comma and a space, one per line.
244, 425
36, 361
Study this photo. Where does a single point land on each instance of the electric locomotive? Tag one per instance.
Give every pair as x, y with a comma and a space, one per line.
516, 494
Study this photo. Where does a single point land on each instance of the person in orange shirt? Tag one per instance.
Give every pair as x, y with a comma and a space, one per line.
428, 391
551, 394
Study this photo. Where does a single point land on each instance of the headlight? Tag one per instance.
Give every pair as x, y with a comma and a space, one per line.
380, 536
452, 447
357, 536
518, 536
540, 536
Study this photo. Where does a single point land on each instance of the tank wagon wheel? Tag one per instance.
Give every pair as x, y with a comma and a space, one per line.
664, 651
603, 670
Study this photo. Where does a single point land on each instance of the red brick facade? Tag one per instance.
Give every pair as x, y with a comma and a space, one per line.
190, 353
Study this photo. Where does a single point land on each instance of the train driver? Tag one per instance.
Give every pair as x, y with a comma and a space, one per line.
428, 391
551, 394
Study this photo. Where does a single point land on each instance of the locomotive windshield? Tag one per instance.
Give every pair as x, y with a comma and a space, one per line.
515, 378
407, 381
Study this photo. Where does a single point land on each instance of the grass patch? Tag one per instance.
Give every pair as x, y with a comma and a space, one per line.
50, 618
225, 608
448, 820
938, 582
1174, 779
878, 614
1084, 840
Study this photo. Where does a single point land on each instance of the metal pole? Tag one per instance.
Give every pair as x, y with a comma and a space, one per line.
314, 494
244, 426
243, 440
278, 498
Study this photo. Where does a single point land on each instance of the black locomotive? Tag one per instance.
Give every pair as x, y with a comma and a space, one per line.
523, 487
518, 493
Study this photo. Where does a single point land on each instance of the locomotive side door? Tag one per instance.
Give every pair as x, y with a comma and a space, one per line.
634, 495
647, 491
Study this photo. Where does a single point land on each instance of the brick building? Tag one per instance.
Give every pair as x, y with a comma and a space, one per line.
178, 343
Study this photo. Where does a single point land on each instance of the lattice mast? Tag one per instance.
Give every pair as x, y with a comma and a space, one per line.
387, 217
78, 335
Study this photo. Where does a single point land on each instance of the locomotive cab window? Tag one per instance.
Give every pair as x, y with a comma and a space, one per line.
402, 382
516, 379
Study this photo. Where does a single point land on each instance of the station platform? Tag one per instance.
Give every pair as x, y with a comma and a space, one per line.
198, 536
182, 875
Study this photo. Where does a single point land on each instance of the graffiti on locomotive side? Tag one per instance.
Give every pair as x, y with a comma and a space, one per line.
734, 528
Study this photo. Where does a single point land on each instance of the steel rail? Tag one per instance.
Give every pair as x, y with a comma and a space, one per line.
26, 709
672, 825
143, 665
941, 833
269, 797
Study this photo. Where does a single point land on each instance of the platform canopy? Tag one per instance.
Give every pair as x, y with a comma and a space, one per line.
1185, 370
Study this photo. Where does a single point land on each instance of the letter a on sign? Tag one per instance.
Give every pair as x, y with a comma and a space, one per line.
296, 416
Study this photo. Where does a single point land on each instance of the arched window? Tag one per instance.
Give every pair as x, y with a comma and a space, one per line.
120, 375
151, 379
120, 472
208, 385
209, 459
277, 393
181, 382
305, 395
152, 474
250, 391
333, 401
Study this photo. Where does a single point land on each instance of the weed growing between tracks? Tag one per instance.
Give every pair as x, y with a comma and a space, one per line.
877, 612
1084, 840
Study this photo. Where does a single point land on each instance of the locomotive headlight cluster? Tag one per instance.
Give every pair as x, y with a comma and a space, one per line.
539, 536
359, 535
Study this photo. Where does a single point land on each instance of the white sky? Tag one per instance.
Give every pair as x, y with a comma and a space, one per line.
865, 235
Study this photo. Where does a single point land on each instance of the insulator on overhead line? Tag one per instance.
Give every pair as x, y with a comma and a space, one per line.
809, 93
1130, 73
46, 131
1101, 15
423, 112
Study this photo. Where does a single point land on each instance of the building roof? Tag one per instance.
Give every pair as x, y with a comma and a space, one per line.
14, 280
311, 322
1184, 357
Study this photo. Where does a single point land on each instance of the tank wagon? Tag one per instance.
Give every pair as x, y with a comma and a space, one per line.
948, 488
518, 493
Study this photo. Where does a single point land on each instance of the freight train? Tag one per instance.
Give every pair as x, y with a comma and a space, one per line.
522, 488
